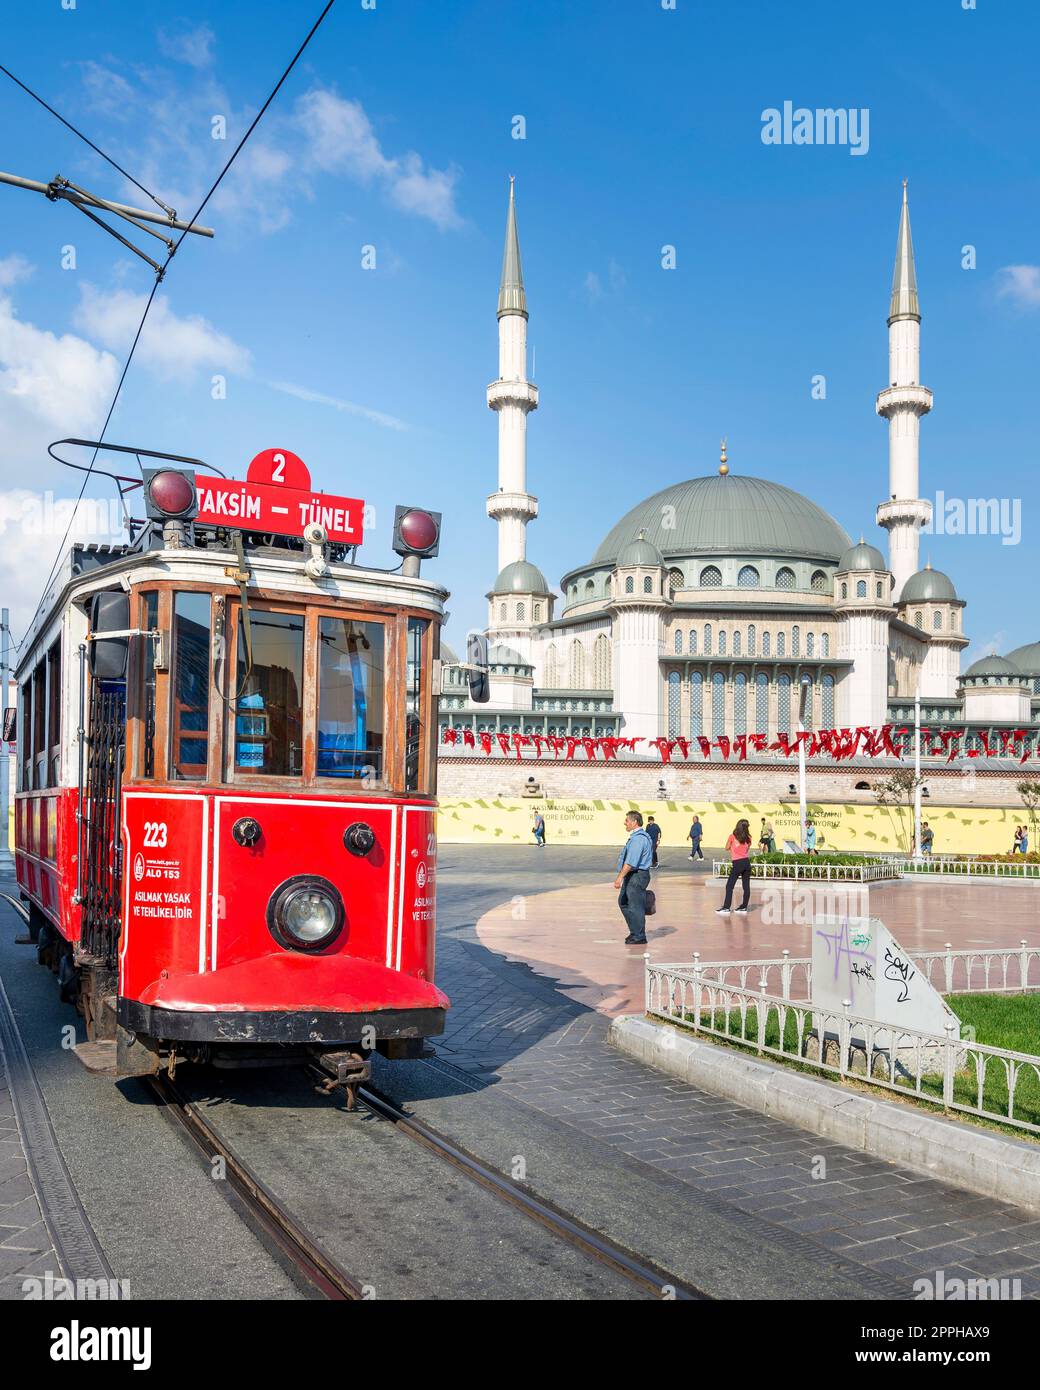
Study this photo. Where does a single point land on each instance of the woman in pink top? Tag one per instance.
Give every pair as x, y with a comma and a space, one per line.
739, 846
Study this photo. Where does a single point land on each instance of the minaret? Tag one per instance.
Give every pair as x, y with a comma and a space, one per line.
902, 404
512, 396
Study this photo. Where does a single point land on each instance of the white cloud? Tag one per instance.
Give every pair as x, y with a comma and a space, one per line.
12, 269
170, 345
376, 417
1020, 284
994, 645
593, 286
187, 45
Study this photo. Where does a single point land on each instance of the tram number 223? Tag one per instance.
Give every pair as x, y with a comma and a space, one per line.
155, 834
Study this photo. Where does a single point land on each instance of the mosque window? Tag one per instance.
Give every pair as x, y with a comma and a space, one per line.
1036, 686
648, 584
826, 639
520, 612
736, 643
722, 644
577, 676
766, 640
918, 620
740, 704
601, 663
502, 612
552, 675
844, 591
747, 578
718, 704
538, 612
810, 644
783, 704
707, 639
877, 589
711, 577
781, 645
678, 642
861, 588
693, 641
761, 703
751, 636
818, 582
675, 580
796, 641
590, 588
696, 704
574, 592
785, 578
630, 585
808, 719
674, 702
937, 620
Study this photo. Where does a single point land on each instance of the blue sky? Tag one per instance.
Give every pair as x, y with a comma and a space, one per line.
643, 128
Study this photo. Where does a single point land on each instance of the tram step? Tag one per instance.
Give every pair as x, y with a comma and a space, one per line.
98, 1057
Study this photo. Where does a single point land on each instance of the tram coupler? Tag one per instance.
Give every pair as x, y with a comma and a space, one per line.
347, 1069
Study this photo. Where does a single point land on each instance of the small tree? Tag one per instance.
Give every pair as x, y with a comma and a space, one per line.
1030, 794
897, 792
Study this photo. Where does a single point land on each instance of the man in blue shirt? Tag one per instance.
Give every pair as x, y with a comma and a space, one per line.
633, 876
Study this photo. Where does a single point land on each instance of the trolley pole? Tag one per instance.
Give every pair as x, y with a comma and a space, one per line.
5, 757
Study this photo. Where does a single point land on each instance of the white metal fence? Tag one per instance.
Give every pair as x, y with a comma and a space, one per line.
950, 1072
968, 868
826, 873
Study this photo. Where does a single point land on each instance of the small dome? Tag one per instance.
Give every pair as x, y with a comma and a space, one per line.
928, 584
1027, 658
448, 654
992, 666
521, 577
862, 557
505, 656
639, 552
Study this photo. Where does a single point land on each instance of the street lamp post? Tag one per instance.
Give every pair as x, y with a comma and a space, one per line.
917, 773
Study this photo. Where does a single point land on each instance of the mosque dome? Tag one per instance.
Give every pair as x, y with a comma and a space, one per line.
992, 666
1027, 658
639, 552
928, 584
727, 514
862, 557
521, 577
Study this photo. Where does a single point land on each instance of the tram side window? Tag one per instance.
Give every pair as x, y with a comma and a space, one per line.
351, 698
269, 711
25, 743
151, 622
54, 712
414, 694
40, 727
191, 648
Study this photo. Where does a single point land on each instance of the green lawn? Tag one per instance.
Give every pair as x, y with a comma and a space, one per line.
1008, 1021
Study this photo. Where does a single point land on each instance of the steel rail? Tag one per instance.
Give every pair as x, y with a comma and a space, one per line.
292, 1239
565, 1227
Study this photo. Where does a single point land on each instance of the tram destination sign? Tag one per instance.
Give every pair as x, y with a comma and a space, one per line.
277, 497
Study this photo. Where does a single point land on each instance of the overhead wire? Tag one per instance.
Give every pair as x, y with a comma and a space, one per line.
170, 254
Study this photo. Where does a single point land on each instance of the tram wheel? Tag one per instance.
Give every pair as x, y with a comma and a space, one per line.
68, 979
45, 941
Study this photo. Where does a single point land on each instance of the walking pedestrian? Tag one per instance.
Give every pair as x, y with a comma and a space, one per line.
633, 876
539, 829
927, 838
739, 846
1024, 844
1016, 848
654, 831
694, 835
810, 837
767, 838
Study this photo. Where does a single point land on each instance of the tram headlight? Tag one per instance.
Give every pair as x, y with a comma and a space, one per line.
305, 913
169, 493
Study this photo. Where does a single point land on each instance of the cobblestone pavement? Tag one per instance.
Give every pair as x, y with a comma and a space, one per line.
25, 1245
513, 1026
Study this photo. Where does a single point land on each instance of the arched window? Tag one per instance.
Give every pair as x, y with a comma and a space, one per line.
693, 641
747, 577
937, 620
818, 582
785, 578
736, 642
707, 639
501, 612
538, 612
590, 588
810, 644
718, 704
844, 591
601, 663
808, 720
781, 645
918, 620
740, 703
761, 703
766, 642
552, 674
675, 580
678, 642
827, 702
696, 704
630, 584
648, 584
722, 643
826, 644
520, 612
783, 704
861, 588
577, 675
796, 641
674, 702
751, 639
877, 589
711, 577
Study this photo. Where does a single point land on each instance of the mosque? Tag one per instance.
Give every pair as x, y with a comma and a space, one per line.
721, 603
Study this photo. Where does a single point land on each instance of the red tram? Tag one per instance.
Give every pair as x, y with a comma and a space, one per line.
225, 808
